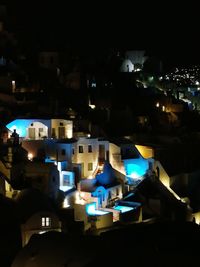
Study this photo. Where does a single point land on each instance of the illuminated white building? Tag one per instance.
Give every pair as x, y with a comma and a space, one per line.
91, 153
127, 66
133, 61
36, 129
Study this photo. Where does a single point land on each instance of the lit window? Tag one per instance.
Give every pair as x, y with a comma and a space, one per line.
66, 180
80, 149
46, 222
90, 166
89, 148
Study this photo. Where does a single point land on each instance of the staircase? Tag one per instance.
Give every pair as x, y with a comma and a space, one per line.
99, 169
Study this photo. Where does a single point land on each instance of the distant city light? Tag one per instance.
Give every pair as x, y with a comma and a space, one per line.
157, 104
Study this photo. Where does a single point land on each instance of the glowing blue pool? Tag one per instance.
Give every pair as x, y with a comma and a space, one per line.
123, 208
91, 210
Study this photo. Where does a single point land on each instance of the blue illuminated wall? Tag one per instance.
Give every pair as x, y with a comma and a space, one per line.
21, 125
136, 168
107, 176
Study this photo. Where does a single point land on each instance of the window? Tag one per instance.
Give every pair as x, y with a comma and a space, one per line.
61, 123
89, 148
63, 152
93, 84
46, 221
66, 179
90, 166
80, 149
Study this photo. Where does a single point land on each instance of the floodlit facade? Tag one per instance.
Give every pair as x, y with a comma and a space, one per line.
91, 153
94, 174
37, 129
133, 61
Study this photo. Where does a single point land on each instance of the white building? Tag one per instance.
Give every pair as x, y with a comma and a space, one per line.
91, 153
37, 129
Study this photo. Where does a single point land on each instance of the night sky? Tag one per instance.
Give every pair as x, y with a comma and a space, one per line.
168, 32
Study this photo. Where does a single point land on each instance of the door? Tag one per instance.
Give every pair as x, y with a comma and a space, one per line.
61, 132
101, 153
31, 133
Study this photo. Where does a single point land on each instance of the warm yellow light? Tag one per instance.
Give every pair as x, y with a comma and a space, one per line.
157, 104
66, 203
197, 217
79, 199
82, 194
163, 108
145, 151
30, 156
13, 86
92, 106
